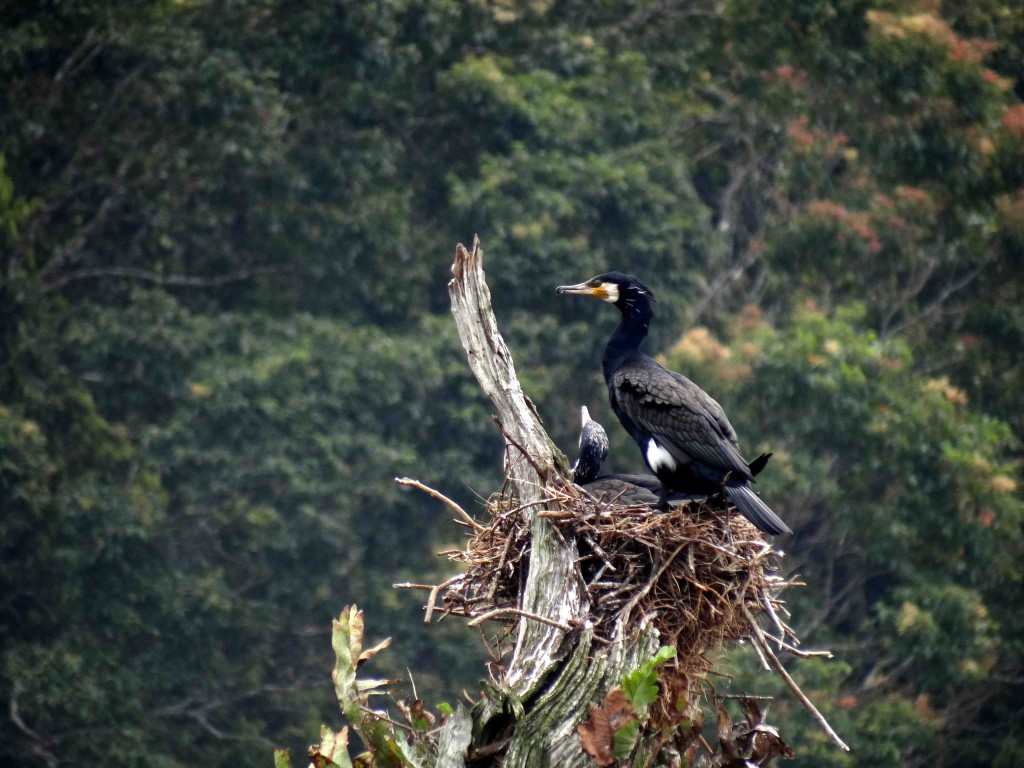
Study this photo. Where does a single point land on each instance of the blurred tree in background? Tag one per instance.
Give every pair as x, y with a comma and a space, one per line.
225, 229
910, 525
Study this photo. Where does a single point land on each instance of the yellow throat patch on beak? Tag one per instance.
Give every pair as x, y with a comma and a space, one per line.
605, 291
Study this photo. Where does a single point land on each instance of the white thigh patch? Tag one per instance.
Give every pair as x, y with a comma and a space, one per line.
658, 458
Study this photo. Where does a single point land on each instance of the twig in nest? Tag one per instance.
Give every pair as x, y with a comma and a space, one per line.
521, 507
764, 662
497, 571
767, 603
805, 654
624, 614
441, 497
432, 600
434, 590
517, 612
760, 642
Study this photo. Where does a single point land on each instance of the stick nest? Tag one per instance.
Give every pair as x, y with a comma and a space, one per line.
700, 573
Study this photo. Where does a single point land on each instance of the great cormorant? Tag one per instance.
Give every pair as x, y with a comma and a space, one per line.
627, 489
683, 433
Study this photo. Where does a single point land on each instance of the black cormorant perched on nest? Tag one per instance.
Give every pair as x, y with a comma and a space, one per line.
625, 489
683, 433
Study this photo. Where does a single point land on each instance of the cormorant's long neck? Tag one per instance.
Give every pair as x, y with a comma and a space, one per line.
628, 335
587, 466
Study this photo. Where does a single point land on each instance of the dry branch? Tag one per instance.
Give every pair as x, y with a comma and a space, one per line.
758, 637
408, 481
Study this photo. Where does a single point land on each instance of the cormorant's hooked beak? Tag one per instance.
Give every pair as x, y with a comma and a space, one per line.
585, 289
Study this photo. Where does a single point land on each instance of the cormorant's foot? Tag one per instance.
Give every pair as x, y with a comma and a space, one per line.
663, 506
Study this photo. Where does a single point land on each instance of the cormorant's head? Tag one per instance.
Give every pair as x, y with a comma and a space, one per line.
624, 291
593, 450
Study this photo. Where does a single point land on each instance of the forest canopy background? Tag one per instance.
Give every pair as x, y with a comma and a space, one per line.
225, 229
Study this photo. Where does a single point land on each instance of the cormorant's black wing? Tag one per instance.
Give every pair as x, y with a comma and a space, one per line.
631, 490
622, 491
684, 418
650, 482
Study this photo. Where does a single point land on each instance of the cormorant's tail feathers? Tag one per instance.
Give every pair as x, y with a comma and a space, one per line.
758, 464
755, 510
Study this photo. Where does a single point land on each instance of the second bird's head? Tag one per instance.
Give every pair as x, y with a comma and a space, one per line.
614, 287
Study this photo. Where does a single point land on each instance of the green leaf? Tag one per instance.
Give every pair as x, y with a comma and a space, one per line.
664, 653
624, 739
641, 685
347, 640
641, 688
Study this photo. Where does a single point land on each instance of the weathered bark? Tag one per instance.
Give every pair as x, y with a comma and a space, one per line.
552, 589
572, 672
454, 739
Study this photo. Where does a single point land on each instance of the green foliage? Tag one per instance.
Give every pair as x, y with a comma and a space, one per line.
389, 749
195, 475
903, 491
82, 511
624, 739
641, 685
204, 528
13, 210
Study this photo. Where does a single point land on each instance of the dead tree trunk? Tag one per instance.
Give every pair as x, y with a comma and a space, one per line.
557, 654
531, 460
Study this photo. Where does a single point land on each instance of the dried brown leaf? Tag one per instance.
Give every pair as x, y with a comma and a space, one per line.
374, 687
369, 653
596, 736
597, 733
768, 744
617, 705
726, 739
752, 712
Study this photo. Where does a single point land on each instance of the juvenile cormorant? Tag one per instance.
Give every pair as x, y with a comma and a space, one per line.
626, 489
683, 433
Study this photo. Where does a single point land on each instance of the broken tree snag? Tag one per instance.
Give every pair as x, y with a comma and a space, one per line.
552, 590
491, 363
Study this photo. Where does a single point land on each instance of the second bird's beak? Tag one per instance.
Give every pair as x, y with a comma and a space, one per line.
583, 289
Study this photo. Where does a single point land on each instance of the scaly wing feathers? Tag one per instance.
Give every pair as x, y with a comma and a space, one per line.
686, 421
